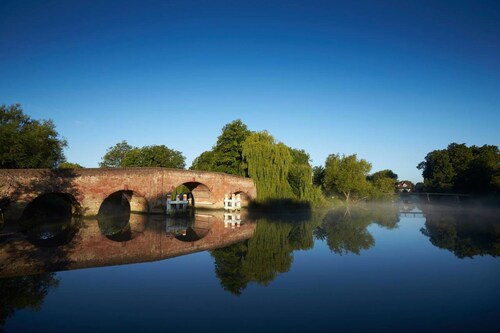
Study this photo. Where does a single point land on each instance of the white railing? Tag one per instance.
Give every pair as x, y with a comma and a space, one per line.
179, 204
233, 203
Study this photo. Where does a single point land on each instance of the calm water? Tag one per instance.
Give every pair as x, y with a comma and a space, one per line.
367, 269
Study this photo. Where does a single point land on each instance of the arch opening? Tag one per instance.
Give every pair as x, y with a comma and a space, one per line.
244, 198
116, 218
51, 219
201, 196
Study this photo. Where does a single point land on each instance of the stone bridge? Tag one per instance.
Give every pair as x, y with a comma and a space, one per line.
145, 188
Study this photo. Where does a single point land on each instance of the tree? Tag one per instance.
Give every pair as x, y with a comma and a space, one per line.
115, 155
268, 163
383, 183
346, 175
69, 165
204, 161
318, 175
28, 143
228, 149
462, 169
154, 156
437, 171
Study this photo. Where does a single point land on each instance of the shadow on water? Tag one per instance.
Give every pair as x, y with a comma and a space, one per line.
281, 210
464, 231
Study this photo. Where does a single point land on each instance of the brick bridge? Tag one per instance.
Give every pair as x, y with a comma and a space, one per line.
145, 188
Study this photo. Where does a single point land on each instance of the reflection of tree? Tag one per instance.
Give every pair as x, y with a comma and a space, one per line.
24, 292
228, 267
464, 232
264, 256
345, 230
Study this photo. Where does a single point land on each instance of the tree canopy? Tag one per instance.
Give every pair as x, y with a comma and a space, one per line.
124, 155
463, 169
347, 176
114, 155
28, 143
268, 163
226, 155
154, 156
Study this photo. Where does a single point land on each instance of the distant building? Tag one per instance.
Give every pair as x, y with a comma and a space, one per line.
404, 186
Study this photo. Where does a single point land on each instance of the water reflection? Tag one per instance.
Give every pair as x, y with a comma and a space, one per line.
25, 292
267, 254
345, 230
464, 232
189, 228
113, 239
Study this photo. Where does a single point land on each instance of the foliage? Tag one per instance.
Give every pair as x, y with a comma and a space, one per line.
154, 156
268, 163
318, 175
28, 143
280, 172
383, 184
123, 155
438, 171
346, 175
115, 155
229, 147
226, 155
203, 162
300, 176
69, 165
463, 169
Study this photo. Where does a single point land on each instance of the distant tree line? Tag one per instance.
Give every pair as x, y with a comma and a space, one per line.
279, 171
460, 168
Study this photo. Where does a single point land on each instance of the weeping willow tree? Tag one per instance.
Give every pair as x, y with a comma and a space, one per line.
280, 172
268, 165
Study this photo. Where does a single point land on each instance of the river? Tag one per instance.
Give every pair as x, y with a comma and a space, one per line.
393, 268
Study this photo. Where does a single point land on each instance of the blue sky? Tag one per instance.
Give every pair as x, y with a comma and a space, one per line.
387, 80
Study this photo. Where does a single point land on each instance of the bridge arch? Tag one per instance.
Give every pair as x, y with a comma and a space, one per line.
51, 219
202, 195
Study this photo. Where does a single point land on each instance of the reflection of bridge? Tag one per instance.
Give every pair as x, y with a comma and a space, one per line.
145, 188
89, 247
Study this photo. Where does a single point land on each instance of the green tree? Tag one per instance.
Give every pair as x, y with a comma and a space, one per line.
154, 156
437, 171
204, 162
115, 155
462, 169
318, 175
383, 183
268, 163
28, 143
346, 175
69, 165
228, 149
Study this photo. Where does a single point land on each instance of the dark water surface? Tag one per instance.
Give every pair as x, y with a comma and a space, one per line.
378, 268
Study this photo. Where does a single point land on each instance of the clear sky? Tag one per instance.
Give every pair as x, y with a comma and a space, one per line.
387, 80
